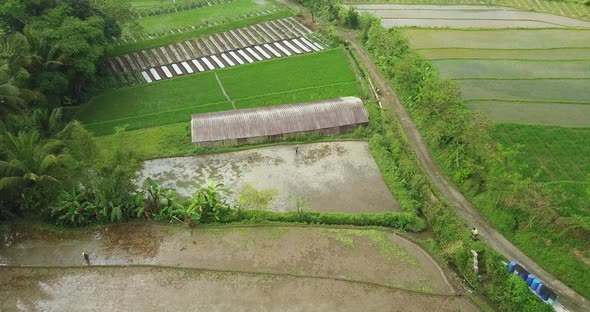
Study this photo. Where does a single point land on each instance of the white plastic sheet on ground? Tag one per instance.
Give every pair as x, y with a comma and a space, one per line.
146, 77
155, 74
187, 67
263, 52
256, 56
246, 56
198, 65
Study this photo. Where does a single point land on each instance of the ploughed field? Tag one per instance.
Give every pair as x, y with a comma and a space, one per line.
221, 268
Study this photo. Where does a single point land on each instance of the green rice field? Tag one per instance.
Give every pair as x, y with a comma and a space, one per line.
541, 90
569, 115
499, 38
211, 14
524, 69
303, 78
558, 156
507, 54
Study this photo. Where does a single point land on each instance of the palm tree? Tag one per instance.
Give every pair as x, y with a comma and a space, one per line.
27, 161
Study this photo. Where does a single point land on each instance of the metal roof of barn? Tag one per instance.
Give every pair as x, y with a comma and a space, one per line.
275, 120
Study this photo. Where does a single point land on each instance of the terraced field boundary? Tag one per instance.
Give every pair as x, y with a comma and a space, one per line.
136, 44
563, 8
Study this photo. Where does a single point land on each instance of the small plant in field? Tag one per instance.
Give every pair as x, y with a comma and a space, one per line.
251, 198
209, 202
300, 205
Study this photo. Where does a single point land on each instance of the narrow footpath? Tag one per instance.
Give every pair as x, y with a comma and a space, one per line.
569, 298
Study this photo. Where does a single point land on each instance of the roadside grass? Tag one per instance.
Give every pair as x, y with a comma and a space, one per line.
506, 54
499, 39
302, 78
467, 68
198, 32
210, 14
569, 115
153, 4
541, 90
564, 8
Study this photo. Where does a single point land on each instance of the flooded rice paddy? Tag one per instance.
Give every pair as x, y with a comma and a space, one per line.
144, 266
333, 177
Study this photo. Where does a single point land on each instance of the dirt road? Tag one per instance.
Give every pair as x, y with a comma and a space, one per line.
568, 297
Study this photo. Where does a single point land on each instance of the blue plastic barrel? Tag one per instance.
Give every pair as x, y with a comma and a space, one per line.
511, 266
523, 275
535, 284
538, 291
529, 279
545, 297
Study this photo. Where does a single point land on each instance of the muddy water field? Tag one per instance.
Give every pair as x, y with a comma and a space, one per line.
333, 177
143, 266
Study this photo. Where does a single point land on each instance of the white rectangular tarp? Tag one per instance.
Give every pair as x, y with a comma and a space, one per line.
254, 54
300, 45
187, 67
177, 69
236, 57
273, 51
199, 66
155, 74
262, 52
146, 77
217, 61
167, 71
227, 60
282, 49
248, 58
310, 44
209, 65
291, 47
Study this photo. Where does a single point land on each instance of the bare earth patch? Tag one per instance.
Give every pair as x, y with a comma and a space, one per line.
334, 177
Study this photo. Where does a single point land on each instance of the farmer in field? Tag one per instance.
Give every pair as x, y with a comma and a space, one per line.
474, 234
297, 149
86, 258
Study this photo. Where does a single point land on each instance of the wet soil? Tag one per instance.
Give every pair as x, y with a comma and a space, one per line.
333, 177
168, 289
376, 256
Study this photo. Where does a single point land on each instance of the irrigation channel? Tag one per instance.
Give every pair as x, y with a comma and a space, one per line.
143, 266
333, 177
263, 41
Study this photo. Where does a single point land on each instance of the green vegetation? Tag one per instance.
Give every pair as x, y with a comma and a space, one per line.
463, 145
311, 77
550, 90
464, 148
206, 15
576, 9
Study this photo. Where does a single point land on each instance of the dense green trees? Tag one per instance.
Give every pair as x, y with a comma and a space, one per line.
49, 54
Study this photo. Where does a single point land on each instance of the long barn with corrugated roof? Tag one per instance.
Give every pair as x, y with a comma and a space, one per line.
266, 124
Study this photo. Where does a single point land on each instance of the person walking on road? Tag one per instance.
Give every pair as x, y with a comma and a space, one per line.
474, 234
